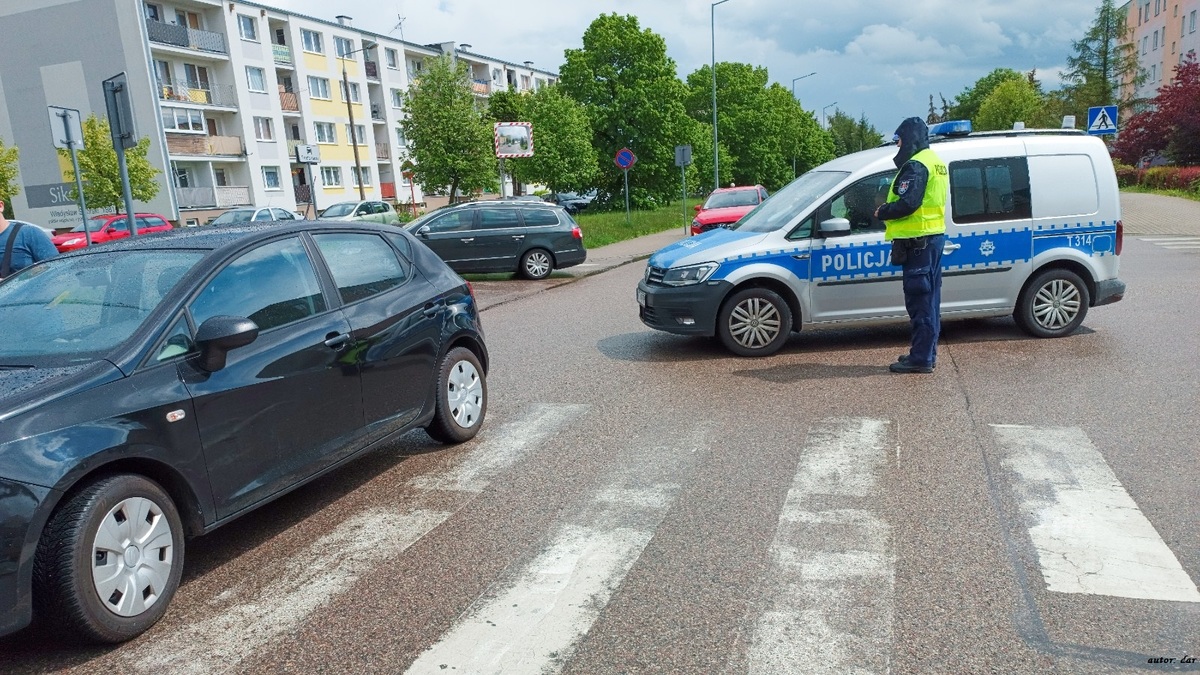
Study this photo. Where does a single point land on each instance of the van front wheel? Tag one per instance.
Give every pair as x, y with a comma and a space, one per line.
754, 322
1053, 304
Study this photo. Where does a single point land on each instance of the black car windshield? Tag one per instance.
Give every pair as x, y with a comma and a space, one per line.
720, 200
79, 308
339, 210
783, 206
235, 216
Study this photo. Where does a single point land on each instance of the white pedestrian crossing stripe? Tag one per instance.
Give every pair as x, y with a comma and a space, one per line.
1174, 243
1089, 534
832, 560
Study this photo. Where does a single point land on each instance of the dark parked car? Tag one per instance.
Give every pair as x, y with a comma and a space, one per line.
531, 238
571, 201
154, 389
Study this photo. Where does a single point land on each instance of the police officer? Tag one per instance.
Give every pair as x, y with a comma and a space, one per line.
915, 215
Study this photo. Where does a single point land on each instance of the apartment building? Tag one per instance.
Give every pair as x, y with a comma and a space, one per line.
1162, 33
225, 91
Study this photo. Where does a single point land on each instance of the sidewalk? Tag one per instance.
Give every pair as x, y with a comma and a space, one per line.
614, 255
1145, 214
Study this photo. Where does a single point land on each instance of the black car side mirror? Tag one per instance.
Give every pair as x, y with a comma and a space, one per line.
218, 335
835, 227
422, 231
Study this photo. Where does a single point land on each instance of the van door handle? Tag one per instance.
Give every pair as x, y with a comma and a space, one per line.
802, 256
950, 248
337, 341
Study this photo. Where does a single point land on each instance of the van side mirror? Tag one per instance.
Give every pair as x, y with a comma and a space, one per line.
219, 335
835, 227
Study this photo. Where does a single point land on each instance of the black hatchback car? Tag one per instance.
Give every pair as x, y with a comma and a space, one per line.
530, 238
156, 388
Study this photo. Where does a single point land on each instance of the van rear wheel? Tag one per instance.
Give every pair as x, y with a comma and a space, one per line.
1053, 304
754, 322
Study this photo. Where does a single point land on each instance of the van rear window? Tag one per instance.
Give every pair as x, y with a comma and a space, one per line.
990, 190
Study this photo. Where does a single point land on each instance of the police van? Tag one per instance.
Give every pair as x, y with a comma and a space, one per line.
1033, 230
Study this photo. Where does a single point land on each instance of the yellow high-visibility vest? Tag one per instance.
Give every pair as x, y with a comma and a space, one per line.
930, 217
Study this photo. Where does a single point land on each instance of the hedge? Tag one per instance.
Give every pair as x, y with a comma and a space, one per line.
1160, 177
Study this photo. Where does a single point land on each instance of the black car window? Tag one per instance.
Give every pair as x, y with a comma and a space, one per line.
496, 219
539, 217
457, 221
177, 343
362, 265
271, 285
401, 243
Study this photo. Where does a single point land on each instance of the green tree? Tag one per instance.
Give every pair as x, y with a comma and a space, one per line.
633, 98
8, 172
508, 106
450, 141
98, 166
966, 105
1104, 59
1011, 101
563, 157
849, 135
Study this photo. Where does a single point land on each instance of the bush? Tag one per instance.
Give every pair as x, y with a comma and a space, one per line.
1127, 176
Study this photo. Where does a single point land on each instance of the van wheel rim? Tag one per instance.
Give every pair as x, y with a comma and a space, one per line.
754, 323
464, 394
132, 555
537, 264
1056, 304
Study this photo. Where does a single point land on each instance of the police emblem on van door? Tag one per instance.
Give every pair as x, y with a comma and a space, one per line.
987, 248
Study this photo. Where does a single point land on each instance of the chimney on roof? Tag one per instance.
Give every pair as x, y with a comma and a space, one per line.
344, 20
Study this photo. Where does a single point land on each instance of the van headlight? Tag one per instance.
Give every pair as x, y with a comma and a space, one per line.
692, 274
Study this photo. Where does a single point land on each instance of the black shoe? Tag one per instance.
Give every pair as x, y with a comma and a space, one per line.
903, 358
903, 366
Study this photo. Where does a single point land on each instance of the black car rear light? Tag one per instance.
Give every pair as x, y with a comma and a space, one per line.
577, 233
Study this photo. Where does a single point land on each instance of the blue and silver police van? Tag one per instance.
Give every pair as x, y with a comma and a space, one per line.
1033, 230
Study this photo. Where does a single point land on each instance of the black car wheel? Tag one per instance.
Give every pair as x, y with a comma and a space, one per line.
1053, 304
109, 560
537, 263
754, 322
461, 398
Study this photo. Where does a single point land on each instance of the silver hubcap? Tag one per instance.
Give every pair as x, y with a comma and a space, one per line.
1056, 304
132, 556
464, 394
537, 264
754, 323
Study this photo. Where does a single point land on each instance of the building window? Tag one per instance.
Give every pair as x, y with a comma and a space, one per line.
331, 176
311, 41
342, 47
524, 83
263, 130
397, 98
220, 178
318, 87
365, 174
1183, 27
326, 132
247, 28
354, 94
400, 139
271, 177
152, 12
256, 79
415, 67
183, 176
1192, 22
356, 135
1154, 73
182, 119
1145, 43
392, 60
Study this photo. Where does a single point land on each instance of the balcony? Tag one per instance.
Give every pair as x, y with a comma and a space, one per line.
383, 151
200, 92
377, 112
387, 190
372, 70
188, 38
223, 197
481, 86
205, 146
283, 54
288, 101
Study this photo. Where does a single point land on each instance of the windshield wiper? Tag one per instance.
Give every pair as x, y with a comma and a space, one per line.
15, 366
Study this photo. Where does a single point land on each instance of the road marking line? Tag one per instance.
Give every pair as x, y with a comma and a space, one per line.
310, 579
1089, 534
532, 624
832, 560
1178, 247
1168, 239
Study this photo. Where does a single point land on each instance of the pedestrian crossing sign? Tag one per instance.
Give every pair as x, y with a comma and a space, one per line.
1102, 120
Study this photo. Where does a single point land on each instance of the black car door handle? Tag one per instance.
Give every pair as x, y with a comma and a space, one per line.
432, 308
337, 341
518, 237
467, 241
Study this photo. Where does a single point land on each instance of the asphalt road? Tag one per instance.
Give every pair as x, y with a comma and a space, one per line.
639, 502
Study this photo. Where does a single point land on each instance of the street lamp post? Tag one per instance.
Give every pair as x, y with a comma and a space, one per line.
794, 80
823, 113
362, 195
713, 30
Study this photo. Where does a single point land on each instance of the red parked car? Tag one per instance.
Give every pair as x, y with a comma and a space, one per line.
108, 227
726, 206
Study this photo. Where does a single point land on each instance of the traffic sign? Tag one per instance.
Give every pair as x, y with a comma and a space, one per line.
1102, 120
625, 158
683, 155
66, 128
308, 154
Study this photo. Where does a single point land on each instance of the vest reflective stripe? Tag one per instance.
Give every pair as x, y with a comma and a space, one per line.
930, 217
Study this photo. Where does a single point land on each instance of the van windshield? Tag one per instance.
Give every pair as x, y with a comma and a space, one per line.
780, 208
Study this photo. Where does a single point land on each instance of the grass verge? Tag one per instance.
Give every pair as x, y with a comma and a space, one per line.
1185, 194
600, 229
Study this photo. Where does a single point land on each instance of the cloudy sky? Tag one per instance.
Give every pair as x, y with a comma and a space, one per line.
881, 59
